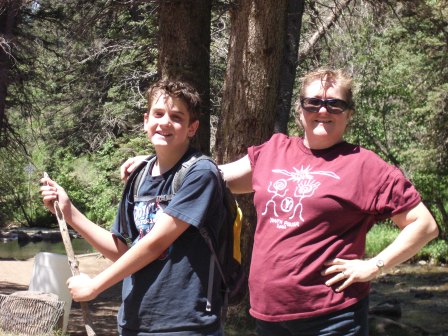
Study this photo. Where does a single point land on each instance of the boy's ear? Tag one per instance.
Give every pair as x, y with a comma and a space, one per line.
145, 122
192, 128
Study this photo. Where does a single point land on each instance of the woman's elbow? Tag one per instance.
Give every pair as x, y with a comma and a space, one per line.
433, 230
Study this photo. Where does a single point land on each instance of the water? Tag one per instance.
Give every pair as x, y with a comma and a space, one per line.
13, 250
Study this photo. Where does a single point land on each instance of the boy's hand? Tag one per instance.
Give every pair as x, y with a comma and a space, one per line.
129, 165
82, 288
51, 192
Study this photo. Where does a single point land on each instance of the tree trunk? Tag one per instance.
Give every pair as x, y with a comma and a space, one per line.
256, 51
184, 52
248, 112
8, 13
289, 64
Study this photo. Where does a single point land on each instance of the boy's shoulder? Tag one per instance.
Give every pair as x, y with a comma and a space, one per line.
199, 160
194, 163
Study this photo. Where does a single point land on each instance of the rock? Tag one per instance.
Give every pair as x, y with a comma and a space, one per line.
422, 294
390, 308
36, 237
23, 237
380, 326
53, 236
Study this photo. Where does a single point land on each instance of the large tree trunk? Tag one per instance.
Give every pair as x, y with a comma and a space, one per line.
248, 112
256, 50
8, 13
289, 64
184, 52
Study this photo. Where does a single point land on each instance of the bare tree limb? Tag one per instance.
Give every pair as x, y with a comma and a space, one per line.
327, 24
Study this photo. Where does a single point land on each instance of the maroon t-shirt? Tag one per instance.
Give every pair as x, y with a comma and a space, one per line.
313, 206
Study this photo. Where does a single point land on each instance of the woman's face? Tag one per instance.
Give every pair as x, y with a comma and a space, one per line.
322, 128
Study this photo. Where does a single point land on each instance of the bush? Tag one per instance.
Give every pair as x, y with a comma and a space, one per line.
435, 252
382, 234
379, 237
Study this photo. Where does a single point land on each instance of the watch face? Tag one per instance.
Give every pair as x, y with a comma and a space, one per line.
380, 263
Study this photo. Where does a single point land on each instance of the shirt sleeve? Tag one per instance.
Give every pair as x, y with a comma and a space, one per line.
198, 195
396, 195
255, 151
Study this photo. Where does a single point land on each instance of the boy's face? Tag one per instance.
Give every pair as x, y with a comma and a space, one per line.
168, 122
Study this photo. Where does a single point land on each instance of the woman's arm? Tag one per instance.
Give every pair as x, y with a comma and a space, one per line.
417, 226
129, 165
238, 175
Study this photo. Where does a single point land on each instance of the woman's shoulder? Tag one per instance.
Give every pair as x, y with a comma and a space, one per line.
278, 139
368, 158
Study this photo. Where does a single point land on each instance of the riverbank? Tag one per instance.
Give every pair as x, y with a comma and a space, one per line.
417, 293
15, 276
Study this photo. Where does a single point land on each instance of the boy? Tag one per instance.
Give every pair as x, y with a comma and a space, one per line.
165, 271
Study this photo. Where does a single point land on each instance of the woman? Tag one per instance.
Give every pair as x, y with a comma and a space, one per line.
316, 198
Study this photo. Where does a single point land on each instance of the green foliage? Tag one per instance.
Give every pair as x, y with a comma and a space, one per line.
82, 69
398, 59
383, 234
92, 181
379, 237
436, 252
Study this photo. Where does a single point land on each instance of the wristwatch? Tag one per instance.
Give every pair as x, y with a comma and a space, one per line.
380, 264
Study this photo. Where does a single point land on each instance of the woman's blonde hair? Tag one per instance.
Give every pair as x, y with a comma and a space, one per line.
328, 77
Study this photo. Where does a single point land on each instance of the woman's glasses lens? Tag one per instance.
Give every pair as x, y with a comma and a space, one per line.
335, 106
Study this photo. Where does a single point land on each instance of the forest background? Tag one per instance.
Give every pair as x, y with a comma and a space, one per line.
73, 76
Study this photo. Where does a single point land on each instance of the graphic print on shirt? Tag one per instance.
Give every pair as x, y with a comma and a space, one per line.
146, 215
303, 183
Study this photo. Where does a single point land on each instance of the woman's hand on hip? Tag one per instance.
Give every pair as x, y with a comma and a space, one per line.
345, 272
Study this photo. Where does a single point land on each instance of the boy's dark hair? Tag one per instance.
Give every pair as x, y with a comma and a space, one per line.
181, 90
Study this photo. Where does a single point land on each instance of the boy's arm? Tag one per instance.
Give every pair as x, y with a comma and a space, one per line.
150, 247
101, 239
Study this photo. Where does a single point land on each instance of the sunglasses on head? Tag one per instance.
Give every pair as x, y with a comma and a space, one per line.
334, 106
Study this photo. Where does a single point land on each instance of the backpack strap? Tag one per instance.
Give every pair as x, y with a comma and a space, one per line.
185, 168
139, 179
214, 259
133, 179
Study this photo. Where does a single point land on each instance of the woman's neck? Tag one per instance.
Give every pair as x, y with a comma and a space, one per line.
320, 143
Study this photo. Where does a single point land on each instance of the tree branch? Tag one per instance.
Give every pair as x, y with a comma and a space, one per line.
328, 23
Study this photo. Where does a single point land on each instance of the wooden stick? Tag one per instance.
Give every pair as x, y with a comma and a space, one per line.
73, 263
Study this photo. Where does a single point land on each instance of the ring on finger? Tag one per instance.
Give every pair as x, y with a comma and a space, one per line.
343, 274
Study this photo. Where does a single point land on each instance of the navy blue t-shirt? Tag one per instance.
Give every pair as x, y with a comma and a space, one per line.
169, 296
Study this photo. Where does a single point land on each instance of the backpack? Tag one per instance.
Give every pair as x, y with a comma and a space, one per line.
227, 258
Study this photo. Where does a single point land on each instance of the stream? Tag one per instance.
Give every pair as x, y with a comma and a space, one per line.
25, 243
415, 301
11, 249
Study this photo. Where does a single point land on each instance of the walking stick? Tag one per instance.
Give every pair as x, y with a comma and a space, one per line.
73, 263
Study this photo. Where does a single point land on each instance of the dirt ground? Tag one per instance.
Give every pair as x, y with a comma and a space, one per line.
418, 292
15, 276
